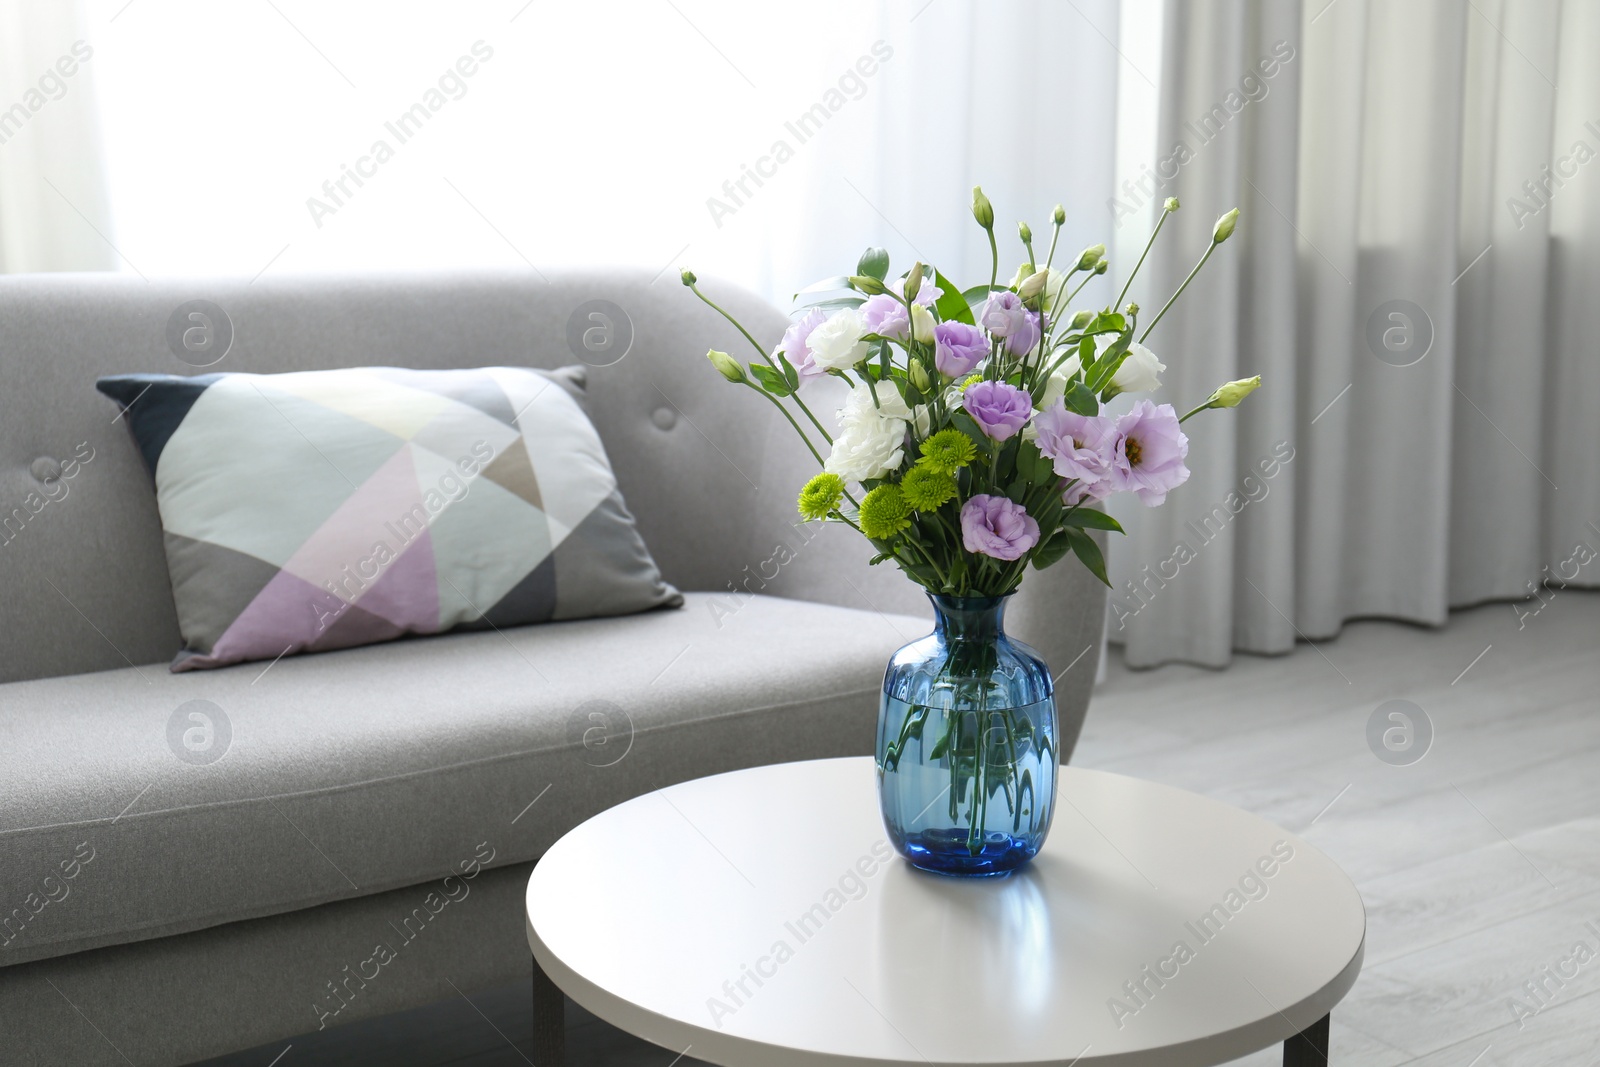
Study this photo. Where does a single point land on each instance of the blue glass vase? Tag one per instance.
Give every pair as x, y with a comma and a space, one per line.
967, 744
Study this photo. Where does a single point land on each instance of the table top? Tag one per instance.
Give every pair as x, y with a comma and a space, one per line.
760, 917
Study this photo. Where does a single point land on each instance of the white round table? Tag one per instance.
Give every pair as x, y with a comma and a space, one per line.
760, 917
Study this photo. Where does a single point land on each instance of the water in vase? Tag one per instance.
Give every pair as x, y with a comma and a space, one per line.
967, 744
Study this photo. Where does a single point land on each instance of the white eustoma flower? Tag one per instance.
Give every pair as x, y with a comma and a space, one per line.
1055, 387
1056, 289
871, 438
837, 343
1139, 373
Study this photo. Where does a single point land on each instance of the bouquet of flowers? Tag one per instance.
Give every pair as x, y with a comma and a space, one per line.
975, 430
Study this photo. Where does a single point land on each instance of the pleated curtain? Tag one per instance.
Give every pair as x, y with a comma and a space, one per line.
1414, 276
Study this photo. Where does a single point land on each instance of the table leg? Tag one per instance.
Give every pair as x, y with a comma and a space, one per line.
549, 1021
1308, 1048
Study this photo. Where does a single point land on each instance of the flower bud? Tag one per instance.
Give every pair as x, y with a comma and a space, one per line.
688, 276
1081, 319
918, 373
726, 366
866, 283
1025, 232
1228, 396
1133, 309
1059, 216
1224, 227
1102, 266
1090, 257
1171, 204
913, 282
982, 210
921, 324
1033, 286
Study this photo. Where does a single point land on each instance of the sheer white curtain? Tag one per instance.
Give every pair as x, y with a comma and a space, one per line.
1414, 278
52, 182
765, 143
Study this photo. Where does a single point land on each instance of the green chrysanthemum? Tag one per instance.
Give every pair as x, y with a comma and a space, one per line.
925, 488
970, 381
820, 496
947, 451
884, 512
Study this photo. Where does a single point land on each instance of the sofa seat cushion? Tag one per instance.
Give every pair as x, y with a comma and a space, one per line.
136, 803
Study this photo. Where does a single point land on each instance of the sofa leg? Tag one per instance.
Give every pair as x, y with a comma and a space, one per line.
549, 1021
1308, 1048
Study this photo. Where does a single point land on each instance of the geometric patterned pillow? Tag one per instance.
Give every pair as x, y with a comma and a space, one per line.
311, 511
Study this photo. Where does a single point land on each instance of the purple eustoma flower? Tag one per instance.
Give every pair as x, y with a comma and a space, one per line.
1149, 453
886, 316
1024, 340
794, 346
1086, 492
994, 526
1002, 313
999, 408
958, 348
1080, 446
1004, 317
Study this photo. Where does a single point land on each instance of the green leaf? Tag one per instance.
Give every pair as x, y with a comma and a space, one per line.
952, 305
1048, 514
1087, 552
941, 745
1107, 322
825, 285
1082, 400
773, 381
1031, 463
1052, 550
964, 422
874, 263
1090, 519
790, 375
1005, 461
829, 303
1017, 490
979, 293
1106, 366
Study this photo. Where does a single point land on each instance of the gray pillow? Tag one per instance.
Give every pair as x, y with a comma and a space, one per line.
325, 509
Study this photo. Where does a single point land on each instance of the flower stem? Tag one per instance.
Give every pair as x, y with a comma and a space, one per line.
1073, 295
1054, 237
1212, 247
777, 404
1054, 326
768, 359
1147, 245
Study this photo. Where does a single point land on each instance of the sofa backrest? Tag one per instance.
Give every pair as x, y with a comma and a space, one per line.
83, 577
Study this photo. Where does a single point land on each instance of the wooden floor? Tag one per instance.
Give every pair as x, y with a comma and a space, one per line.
1479, 863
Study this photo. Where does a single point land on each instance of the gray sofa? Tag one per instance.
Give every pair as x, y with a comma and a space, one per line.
159, 906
